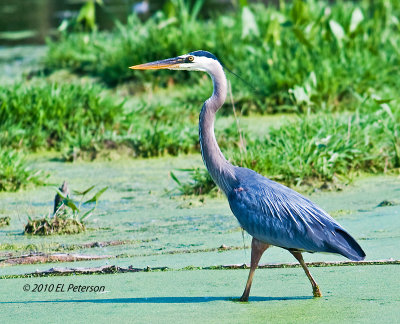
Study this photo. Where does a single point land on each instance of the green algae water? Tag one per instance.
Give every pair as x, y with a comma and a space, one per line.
352, 294
164, 229
158, 228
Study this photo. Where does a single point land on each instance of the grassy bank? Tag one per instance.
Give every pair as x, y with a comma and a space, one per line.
62, 117
82, 121
316, 149
14, 172
334, 64
307, 54
45, 115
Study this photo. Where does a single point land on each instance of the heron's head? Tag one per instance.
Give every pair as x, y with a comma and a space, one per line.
193, 61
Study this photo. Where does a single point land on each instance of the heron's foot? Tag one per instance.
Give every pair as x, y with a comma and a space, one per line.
244, 298
317, 292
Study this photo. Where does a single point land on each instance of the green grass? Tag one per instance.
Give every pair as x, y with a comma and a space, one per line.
55, 115
318, 148
305, 55
334, 64
15, 174
74, 119
62, 117
199, 184
321, 147
82, 121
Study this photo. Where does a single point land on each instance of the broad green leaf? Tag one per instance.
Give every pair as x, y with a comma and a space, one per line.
61, 194
249, 23
356, 18
274, 31
337, 30
382, 101
227, 21
300, 95
87, 14
63, 26
313, 79
301, 37
68, 202
167, 22
300, 12
82, 193
386, 108
243, 3
395, 20
196, 9
87, 214
96, 197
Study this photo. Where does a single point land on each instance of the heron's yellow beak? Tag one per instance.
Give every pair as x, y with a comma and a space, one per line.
157, 65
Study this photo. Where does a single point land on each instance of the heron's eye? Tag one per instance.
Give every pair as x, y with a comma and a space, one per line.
190, 58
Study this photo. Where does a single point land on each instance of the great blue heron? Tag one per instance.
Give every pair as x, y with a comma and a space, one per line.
270, 212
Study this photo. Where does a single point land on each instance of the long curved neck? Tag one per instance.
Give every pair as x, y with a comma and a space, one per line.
221, 171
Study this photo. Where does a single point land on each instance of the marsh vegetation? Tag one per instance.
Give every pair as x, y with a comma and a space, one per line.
334, 66
69, 216
322, 110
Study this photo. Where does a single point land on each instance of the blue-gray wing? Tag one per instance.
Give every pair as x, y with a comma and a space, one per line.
277, 215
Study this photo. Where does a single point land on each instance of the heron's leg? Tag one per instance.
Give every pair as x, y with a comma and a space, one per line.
299, 257
257, 250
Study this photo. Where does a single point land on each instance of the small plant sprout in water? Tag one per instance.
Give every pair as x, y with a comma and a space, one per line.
69, 216
5, 221
200, 183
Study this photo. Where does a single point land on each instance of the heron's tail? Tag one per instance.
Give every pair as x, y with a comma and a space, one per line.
348, 246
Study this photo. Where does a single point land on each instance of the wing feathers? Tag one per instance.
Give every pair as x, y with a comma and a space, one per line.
280, 216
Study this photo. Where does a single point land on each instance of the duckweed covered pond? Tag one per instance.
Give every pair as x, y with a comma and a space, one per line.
149, 225
155, 229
